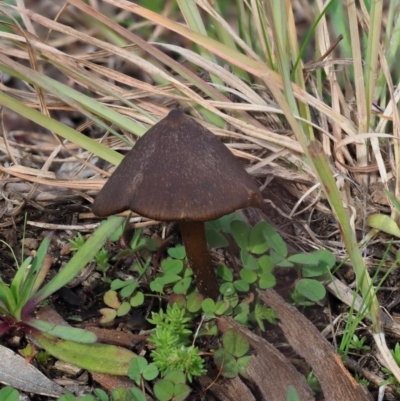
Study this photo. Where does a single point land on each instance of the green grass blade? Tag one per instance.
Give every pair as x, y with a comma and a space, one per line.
7, 298
79, 260
332, 193
18, 280
60, 129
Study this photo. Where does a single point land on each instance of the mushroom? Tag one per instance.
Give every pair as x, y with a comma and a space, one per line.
179, 171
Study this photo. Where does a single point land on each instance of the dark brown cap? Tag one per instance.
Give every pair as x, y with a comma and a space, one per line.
178, 171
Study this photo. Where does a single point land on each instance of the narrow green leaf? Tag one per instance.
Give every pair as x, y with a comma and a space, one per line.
17, 281
100, 358
33, 274
63, 332
384, 223
80, 259
7, 297
60, 129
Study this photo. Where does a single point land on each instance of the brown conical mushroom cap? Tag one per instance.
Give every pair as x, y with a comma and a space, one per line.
178, 171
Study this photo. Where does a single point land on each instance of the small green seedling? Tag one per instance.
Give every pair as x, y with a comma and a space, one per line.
313, 382
171, 339
77, 242
358, 344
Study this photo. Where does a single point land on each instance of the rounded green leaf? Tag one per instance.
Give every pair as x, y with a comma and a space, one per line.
178, 252
181, 391
226, 363
208, 306
227, 289
224, 273
171, 266
275, 241
164, 390
137, 299
248, 261
215, 239
150, 372
108, 315
304, 259
193, 303
314, 270
9, 394
136, 368
235, 343
221, 307
124, 308
257, 242
175, 376
100, 394
242, 318
182, 285
232, 299
225, 221
266, 263
247, 275
156, 285
311, 289
267, 280
110, 298
128, 290
241, 285
243, 362
117, 284
137, 394
241, 233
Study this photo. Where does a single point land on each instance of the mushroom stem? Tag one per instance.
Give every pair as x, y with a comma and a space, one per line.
194, 239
